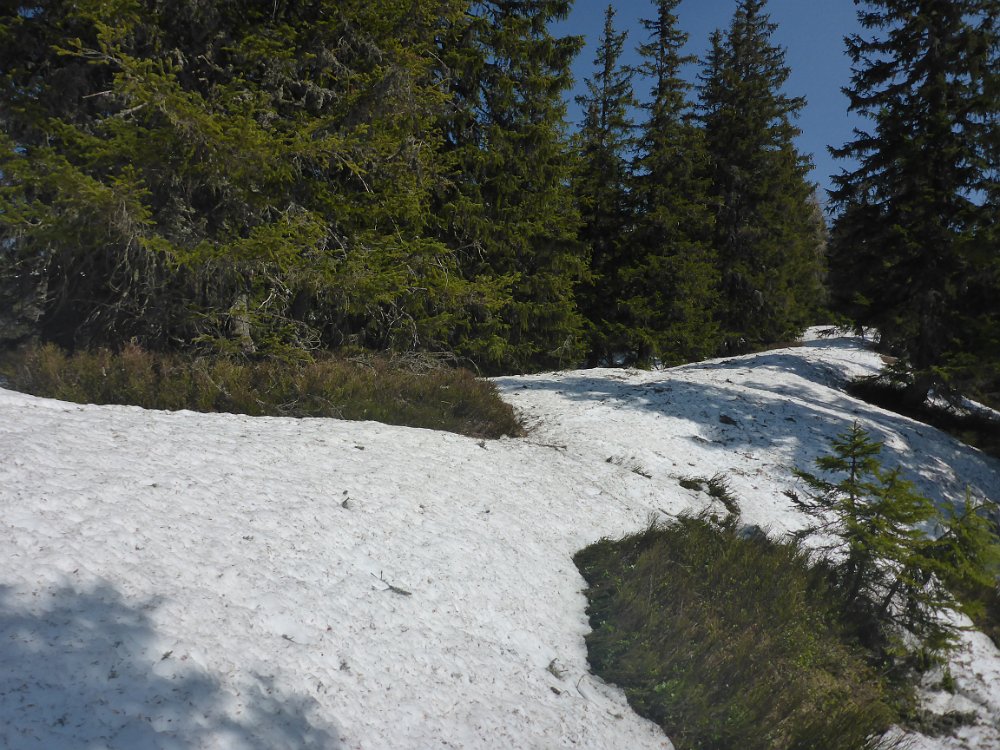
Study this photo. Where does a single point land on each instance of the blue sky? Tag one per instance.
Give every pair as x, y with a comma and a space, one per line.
812, 31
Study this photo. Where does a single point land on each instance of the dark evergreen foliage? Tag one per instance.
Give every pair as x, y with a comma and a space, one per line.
893, 576
267, 179
255, 176
767, 231
510, 210
601, 183
916, 236
669, 277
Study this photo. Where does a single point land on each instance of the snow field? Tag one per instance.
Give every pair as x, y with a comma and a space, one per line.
180, 580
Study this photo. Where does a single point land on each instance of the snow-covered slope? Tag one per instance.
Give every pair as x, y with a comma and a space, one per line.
179, 580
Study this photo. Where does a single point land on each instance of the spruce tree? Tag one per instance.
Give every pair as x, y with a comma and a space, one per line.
510, 210
914, 243
890, 573
601, 184
766, 232
256, 178
668, 279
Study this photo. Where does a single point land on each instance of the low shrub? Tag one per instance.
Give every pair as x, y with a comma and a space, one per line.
394, 390
729, 641
717, 487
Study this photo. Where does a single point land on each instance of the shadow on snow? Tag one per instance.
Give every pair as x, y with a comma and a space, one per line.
84, 668
744, 411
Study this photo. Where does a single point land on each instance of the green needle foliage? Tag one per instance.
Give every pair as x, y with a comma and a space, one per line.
914, 242
252, 177
509, 208
768, 230
966, 557
605, 143
270, 179
893, 576
669, 278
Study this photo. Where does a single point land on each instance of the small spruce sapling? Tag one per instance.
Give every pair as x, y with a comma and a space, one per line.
892, 575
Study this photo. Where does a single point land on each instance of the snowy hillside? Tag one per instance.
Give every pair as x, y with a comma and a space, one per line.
181, 580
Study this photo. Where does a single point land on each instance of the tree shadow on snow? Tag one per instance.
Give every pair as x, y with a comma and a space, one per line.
745, 411
81, 667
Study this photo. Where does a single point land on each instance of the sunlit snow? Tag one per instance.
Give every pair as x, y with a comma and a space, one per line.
181, 580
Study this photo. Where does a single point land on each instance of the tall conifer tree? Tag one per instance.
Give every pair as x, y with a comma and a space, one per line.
511, 209
669, 277
258, 177
765, 228
915, 242
601, 184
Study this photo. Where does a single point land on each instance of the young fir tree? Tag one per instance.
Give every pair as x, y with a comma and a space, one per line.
510, 209
891, 574
605, 143
914, 244
254, 177
766, 233
669, 279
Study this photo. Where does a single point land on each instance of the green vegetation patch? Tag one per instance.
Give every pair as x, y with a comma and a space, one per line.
386, 389
980, 598
717, 487
729, 641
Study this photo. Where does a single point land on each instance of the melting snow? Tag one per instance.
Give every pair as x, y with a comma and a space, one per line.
182, 580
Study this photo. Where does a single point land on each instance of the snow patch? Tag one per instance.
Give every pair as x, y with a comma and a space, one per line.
179, 580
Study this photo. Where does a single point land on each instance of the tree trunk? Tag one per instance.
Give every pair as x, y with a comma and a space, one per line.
915, 394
